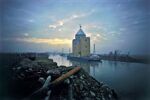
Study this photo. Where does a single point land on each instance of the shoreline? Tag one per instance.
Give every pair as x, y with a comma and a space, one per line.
126, 58
32, 71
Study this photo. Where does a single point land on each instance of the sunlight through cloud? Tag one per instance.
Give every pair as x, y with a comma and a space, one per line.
55, 41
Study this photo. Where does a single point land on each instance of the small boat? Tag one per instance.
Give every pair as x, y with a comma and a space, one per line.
94, 57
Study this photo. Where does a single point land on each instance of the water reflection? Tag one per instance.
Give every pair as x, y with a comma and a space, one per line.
64, 61
87, 66
130, 80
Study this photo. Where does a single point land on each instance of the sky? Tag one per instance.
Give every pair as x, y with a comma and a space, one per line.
50, 25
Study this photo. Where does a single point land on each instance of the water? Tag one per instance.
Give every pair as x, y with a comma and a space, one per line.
130, 80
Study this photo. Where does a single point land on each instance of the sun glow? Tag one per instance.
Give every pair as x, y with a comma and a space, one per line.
55, 41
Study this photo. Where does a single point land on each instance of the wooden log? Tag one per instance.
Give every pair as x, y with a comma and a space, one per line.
65, 76
39, 94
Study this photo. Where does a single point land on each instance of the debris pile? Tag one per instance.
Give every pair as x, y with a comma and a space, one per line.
32, 75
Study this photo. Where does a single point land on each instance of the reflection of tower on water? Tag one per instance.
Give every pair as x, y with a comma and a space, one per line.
93, 66
94, 71
113, 64
84, 65
94, 49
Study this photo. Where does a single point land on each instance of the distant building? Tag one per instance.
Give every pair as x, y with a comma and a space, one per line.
81, 44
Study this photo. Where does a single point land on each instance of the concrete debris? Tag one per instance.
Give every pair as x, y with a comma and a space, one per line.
30, 75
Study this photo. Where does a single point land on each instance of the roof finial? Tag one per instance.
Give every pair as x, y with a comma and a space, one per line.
80, 26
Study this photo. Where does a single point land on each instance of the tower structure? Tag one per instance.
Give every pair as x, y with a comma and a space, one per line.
81, 44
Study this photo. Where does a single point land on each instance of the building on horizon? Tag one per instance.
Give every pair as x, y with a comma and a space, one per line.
81, 44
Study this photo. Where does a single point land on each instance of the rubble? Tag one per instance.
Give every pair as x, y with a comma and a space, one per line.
30, 75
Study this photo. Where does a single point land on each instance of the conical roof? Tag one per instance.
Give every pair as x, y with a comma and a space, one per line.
80, 32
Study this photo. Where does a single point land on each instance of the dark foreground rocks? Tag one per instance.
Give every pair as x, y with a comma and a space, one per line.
30, 75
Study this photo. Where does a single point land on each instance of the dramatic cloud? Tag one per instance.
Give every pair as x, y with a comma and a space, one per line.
113, 24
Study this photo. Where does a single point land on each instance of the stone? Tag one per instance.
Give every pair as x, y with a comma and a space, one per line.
48, 72
22, 75
49, 92
84, 83
109, 95
39, 72
87, 98
27, 70
81, 77
98, 98
30, 69
47, 81
81, 86
84, 87
41, 80
103, 98
92, 94
18, 68
71, 77
14, 68
85, 94
67, 81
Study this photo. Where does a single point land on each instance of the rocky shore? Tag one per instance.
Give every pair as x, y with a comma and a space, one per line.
31, 73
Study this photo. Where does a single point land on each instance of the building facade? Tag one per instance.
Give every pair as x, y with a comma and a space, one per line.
81, 44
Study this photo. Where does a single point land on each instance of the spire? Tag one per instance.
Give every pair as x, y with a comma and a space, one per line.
80, 26
94, 48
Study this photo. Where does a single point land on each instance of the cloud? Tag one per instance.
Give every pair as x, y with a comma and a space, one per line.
122, 29
136, 22
26, 34
61, 23
31, 20
97, 37
59, 30
52, 26
96, 28
55, 41
58, 24
68, 19
76, 16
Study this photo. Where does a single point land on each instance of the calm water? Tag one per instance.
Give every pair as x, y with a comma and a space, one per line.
130, 80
